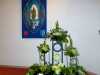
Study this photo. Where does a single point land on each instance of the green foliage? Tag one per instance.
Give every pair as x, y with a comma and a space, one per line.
71, 51
43, 68
60, 35
56, 69
43, 48
81, 70
74, 70
57, 34
33, 70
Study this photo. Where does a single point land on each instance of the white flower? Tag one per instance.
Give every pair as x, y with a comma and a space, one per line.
56, 69
40, 74
61, 65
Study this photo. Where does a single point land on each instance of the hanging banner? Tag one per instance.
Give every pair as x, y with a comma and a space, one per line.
34, 19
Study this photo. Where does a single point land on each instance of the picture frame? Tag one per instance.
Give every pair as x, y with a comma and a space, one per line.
34, 20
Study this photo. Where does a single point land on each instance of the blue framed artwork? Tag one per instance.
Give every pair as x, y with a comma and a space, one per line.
34, 19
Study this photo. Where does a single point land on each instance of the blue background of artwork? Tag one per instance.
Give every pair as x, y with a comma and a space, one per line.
39, 31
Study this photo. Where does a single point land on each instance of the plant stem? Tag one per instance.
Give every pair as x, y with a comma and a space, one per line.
44, 58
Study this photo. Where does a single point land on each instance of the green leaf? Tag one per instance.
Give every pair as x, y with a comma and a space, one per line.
71, 52
43, 48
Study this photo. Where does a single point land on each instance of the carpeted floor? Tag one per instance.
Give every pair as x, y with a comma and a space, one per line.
12, 70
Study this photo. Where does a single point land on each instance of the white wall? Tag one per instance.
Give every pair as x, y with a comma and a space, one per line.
79, 17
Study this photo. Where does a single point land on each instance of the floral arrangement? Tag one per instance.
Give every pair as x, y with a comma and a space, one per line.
73, 67
58, 69
57, 34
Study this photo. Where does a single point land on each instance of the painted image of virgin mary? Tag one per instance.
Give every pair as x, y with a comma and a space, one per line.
34, 16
